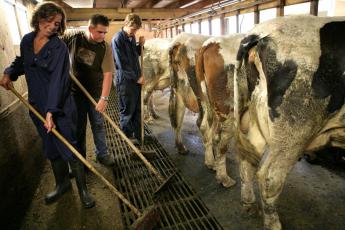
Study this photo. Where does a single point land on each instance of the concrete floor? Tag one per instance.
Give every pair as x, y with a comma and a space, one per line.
313, 196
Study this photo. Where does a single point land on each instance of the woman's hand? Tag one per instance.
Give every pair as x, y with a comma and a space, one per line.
49, 124
6, 82
141, 80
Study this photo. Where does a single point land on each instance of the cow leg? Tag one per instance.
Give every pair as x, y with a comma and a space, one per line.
247, 172
220, 142
147, 97
151, 109
176, 113
271, 178
207, 136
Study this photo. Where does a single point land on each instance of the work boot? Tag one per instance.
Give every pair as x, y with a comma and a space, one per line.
62, 182
106, 160
79, 174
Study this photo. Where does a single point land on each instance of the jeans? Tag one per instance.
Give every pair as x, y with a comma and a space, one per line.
130, 109
86, 108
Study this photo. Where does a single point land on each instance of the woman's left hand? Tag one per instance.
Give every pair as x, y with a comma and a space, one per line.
101, 105
49, 124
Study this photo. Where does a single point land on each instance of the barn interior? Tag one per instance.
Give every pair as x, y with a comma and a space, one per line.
313, 195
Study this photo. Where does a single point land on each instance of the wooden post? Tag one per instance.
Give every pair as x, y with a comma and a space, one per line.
176, 30
314, 7
210, 26
182, 27
256, 15
237, 21
171, 32
280, 8
166, 33
199, 25
222, 24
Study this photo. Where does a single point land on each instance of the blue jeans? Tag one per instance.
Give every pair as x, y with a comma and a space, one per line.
86, 109
130, 110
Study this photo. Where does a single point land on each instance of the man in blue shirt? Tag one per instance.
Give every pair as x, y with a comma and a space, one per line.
129, 78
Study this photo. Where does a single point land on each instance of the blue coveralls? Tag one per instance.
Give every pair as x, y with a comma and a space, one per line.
126, 53
47, 77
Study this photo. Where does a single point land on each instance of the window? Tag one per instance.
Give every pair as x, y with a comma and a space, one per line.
195, 28
187, 28
302, 8
268, 14
23, 19
204, 27
246, 22
232, 24
215, 26
12, 21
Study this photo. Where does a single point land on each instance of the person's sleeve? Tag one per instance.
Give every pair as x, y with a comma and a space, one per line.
17, 67
59, 84
108, 62
119, 53
138, 49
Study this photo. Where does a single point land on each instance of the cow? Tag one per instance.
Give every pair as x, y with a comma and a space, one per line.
157, 72
215, 65
186, 93
288, 98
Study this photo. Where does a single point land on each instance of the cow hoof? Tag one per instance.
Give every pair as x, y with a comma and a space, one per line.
227, 181
250, 210
182, 150
210, 166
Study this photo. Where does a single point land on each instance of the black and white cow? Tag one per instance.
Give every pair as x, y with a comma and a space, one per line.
157, 72
289, 98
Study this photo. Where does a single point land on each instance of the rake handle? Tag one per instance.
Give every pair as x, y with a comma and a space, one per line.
142, 98
77, 154
119, 131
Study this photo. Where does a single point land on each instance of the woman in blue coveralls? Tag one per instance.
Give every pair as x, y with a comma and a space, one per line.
45, 62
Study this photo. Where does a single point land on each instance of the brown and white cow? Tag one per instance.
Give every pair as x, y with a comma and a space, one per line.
292, 72
157, 72
215, 67
186, 93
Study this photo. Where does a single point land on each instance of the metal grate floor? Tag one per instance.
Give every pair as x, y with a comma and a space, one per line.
180, 207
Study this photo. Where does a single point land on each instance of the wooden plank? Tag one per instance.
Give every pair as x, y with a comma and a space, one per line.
120, 13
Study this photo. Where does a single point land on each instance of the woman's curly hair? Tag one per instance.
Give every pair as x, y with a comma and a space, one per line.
45, 11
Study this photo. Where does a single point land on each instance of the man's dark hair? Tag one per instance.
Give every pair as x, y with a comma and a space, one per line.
46, 11
97, 19
133, 20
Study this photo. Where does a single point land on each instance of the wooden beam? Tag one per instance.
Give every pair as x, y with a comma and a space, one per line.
314, 7
120, 13
197, 5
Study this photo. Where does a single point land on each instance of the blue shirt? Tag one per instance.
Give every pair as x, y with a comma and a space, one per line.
46, 73
126, 54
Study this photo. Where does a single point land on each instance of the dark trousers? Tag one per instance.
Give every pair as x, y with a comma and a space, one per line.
130, 109
53, 148
87, 109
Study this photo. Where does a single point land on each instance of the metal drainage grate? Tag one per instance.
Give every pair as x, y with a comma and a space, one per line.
179, 206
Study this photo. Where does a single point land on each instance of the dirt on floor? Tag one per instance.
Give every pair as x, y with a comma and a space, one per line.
67, 212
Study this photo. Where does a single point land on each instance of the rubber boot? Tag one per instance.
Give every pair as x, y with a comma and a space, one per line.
63, 184
79, 174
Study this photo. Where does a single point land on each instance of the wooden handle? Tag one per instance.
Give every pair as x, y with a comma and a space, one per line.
77, 154
119, 131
